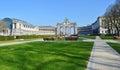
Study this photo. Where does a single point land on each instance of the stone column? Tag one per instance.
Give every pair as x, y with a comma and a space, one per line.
63, 30
75, 29
69, 30
58, 30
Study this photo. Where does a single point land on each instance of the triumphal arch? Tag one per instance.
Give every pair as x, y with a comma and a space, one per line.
64, 29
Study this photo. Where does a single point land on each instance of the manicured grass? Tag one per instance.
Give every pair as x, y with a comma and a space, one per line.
106, 37
46, 56
116, 46
89, 37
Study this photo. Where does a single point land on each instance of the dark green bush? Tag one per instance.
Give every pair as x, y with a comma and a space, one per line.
32, 36
5, 38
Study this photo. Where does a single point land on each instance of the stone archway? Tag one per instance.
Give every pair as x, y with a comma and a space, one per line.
66, 28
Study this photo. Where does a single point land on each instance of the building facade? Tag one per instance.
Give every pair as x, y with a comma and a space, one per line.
15, 27
100, 27
46, 30
85, 30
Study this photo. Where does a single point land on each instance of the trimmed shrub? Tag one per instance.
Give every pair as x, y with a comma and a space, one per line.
32, 36
5, 38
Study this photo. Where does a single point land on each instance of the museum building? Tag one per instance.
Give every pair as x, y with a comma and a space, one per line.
16, 27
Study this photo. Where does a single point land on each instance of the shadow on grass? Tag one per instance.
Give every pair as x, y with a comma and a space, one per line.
35, 56
69, 54
71, 62
59, 64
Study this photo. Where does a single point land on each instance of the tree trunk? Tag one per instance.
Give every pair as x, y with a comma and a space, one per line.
118, 32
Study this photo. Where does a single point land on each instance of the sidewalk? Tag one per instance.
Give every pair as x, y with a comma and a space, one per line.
12, 43
103, 57
92, 40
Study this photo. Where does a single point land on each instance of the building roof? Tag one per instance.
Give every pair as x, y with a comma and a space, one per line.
8, 22
46, 27
21, 21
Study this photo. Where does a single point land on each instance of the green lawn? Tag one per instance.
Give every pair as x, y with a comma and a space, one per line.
116, 46
89, 37
46, 56
106, 37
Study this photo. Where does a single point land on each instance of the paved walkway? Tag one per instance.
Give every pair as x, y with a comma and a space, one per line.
12, 43
92, 40
112, 41
103, 57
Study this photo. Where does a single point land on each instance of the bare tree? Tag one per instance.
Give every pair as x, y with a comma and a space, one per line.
112, 16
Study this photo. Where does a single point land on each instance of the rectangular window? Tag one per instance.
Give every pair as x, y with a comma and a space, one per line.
15, 25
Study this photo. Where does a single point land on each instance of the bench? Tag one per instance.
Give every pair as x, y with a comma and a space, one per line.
48, 39
71, 38
116, 37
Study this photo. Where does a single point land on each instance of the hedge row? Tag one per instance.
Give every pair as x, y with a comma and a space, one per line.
32, 36
5, 38
27, 37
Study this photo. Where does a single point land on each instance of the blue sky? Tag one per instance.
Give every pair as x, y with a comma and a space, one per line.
49, 12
